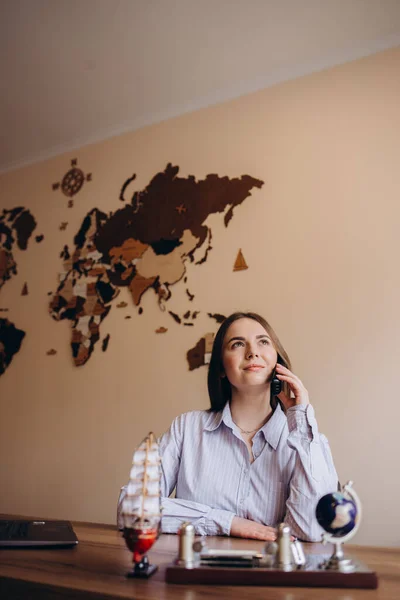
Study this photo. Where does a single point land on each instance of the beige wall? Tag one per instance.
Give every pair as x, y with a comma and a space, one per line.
320, 241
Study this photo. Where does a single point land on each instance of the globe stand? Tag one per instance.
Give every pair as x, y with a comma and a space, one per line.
338, 561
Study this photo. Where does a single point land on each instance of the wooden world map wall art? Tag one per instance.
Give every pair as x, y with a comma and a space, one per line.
16, 228
143, 246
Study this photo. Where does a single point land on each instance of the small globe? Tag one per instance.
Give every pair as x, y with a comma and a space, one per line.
336, 514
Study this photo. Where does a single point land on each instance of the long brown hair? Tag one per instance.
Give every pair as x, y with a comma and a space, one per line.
219, 388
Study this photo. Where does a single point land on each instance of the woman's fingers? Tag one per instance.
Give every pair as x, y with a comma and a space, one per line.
270, 535
287, 375
295, 385
245, 528
266, 533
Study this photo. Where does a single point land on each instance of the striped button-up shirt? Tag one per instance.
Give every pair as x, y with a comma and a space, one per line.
207, 463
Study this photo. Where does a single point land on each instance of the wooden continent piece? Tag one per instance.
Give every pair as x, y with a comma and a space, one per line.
240, 263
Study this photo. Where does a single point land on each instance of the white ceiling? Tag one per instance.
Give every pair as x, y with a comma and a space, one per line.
74, 72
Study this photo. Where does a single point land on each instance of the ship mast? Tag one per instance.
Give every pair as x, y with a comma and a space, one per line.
149, 440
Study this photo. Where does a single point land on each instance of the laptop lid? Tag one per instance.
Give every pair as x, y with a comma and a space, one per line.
19, 533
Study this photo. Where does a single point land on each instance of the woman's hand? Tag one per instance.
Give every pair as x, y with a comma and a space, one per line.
295, 385
244, 528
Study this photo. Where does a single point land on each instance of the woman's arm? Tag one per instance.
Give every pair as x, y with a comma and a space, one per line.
314, 473
211, 521
206, 520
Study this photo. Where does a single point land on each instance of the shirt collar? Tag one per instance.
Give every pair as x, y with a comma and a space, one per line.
274, 427
272, 430
216, 419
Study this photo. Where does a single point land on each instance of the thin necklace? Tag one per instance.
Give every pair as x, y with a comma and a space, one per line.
244, 431
253, 430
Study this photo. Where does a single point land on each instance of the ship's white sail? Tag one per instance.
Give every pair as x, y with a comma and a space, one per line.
142, 503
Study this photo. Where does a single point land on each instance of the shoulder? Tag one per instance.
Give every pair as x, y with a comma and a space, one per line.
193, 418
187, 425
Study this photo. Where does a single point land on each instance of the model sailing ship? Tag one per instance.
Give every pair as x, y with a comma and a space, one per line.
141, 507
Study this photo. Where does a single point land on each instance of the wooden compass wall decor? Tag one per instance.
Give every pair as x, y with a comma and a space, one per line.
72, 181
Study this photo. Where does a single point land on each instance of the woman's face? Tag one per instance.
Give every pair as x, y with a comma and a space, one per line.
248, 355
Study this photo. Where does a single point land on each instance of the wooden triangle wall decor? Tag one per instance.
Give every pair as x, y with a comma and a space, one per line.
240, 263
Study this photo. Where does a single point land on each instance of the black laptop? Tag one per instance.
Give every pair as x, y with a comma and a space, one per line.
19, 533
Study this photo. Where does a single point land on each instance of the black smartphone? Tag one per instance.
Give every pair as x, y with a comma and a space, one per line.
276, 385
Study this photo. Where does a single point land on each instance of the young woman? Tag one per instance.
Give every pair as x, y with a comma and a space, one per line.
253, 459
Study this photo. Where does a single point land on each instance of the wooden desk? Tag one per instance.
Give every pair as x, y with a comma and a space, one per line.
96, 569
